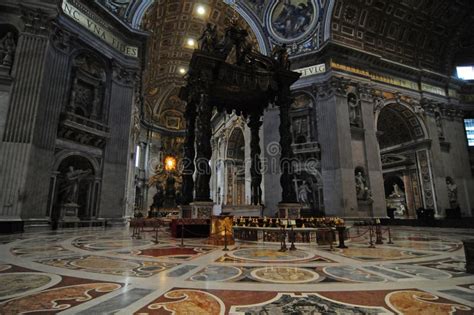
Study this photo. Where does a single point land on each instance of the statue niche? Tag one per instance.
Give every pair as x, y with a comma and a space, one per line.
74, 197
395, 196
452, 192
355, 117
8, 42
362, 186
88, 88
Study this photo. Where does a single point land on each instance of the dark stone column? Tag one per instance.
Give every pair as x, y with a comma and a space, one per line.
288, 194
187, 188
204, 149
255, 169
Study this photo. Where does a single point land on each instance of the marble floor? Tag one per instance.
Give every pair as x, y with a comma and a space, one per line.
97, 271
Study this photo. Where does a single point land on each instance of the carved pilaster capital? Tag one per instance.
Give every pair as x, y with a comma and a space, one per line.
123, 75
36, 20
429, 106
366, 92
60, 38
451, 112
334, 86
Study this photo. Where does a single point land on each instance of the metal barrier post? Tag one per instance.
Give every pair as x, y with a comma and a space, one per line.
371, 232
331, 240
156, 234
182, 233
293, 237
225, 239
389, 236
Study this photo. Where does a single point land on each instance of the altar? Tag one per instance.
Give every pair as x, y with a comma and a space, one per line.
321, 231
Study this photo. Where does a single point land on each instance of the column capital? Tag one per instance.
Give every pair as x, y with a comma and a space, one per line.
334, 86
366, 92
37, 21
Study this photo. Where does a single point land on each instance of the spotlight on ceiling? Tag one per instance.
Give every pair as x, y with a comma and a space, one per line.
200, 10
191, 43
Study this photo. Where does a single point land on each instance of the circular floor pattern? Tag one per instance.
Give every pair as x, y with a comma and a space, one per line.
288, 275
217, 273
270, 255
17, 284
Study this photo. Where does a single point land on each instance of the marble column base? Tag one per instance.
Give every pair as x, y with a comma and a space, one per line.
289, 210
201, 209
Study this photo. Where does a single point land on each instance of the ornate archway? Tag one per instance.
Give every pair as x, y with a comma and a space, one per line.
404, 150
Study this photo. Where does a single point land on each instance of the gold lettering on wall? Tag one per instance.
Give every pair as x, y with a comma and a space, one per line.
412, 85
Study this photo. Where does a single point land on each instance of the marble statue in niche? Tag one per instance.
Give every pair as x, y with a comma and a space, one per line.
452, 192
303, 191
397, 192
439, 125
292, 18
353, 103
71, 183
7, 49
362, 188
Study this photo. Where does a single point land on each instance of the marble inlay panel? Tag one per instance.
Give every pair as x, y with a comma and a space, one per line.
180, 271
419, 271
352, 274
57, 299
388, 273
112, 266
23, 283
117, 303
467, 295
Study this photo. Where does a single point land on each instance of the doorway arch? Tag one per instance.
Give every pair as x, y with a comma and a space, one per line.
235, 168
404, 152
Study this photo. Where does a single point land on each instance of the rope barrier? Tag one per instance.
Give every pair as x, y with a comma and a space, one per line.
360, 235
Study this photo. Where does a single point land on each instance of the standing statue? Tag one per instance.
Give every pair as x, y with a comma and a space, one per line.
439, 125
280, 54
71, 185
354, 112
235, 36
303, 191
7, 49
452, 192
208, 39
362, 190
